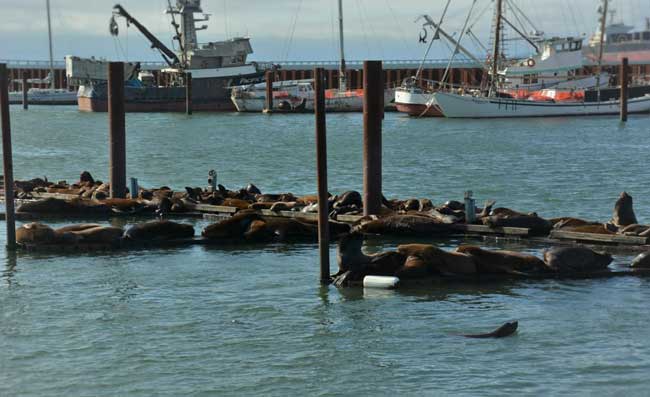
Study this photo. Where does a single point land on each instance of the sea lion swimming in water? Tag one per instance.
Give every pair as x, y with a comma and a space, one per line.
503, 331
576, 259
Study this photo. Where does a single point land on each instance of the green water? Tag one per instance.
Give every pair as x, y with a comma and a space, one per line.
254, 320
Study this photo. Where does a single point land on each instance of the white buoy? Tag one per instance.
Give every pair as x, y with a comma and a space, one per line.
381, 282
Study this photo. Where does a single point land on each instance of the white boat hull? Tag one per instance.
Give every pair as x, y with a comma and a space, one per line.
465, 106
45, 96
418, 104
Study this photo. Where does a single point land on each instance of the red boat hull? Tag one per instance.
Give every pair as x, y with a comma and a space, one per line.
418, 110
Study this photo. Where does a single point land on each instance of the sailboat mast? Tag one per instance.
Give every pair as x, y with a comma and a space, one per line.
49, 36
603, 26
495, 49
342, 69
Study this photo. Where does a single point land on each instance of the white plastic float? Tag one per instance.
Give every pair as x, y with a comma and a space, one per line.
380, 282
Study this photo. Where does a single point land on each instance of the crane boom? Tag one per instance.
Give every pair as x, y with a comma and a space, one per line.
168, 55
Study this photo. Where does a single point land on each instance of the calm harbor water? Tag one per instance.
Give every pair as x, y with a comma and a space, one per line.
254, 320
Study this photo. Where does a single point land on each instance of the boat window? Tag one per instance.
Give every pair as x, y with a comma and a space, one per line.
646, 35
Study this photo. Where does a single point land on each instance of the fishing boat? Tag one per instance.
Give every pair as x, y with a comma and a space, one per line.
50, 95
214, 67
298, 96
499, 104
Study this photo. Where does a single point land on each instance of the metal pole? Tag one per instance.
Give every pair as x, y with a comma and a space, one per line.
25, 99
269, 91
321, 164
624, 91
7, 158
343, 83
373, 113
49, 36
117, 130
188, 93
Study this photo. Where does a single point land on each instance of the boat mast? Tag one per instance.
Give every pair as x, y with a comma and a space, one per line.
49, 36
495, 49
342, 69
603, 21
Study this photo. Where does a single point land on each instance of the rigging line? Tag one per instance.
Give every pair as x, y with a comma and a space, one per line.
363, 29
460, 38
293, 31
573, 18
515, 7
426, 53
522, 26
372, 29
399, 26
479, 15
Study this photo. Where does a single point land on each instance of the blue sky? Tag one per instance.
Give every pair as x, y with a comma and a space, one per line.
377, 29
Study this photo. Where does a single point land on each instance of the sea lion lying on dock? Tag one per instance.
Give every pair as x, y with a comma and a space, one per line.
503, 331
538, 226
54, 206
404, 225
41, 234
503, 262
576, 260
159, 230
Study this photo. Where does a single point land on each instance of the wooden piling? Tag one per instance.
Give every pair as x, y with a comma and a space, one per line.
25, 99
7, 158
321, 161
373, 113
268, 107
624, 91
117, 130
188, 93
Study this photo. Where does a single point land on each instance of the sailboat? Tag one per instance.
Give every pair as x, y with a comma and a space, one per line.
51, 95
299, 95
495, 104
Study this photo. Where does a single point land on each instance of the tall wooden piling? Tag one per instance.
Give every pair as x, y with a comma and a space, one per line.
321, 161
117, 130
188, 93
268, 106
25, 87
624, 91
373, 113
7, 158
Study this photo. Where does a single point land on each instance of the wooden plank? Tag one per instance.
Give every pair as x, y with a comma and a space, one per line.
61, 196
211, 208
603, 238
348, 218
483, 229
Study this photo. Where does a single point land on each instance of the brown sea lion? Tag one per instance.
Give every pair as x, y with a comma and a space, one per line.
566, 222
624, 211
77, 228
159, 230
347, 199
282, 206
576, 259
236, 203
503, 331
634, 230
260, 206
36, 233
503, 262
55, 206
642, 261
285, 229
306, 200
414, 267
404, 225
425, 205
438, 261
252, 189
537, 225
232, 228
100, 235
350, 258
596, 228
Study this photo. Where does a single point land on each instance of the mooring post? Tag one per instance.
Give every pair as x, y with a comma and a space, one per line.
470, 208
321, 164
188, 93
268, 107
25, 99
7, 158
134, 189
117, 130
624, 91
373, 113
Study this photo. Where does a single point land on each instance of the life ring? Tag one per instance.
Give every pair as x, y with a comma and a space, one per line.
530, 62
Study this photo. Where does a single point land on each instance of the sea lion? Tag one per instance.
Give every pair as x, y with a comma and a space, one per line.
425, 205
56, 206
285, 229
487, 208
350, 258
503, 262
624, 211
252, 189
232, 228
282, 206
537, 225
159, 230
36, 233
237, 203
642, 261
438, 261
77, 228
576, 259
595, 228
503, 331
86, 177
404, 225
100, 235
413, 268
569, 222
348, 199
634, 230
260, 206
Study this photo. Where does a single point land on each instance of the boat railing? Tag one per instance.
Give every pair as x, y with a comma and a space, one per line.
29, 64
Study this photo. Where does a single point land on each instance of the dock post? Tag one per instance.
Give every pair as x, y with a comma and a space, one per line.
188, 93
470, 208
624, 91
373, 113
117, 130
134, 189
321, 161
268, 107
7, 158
25, 99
